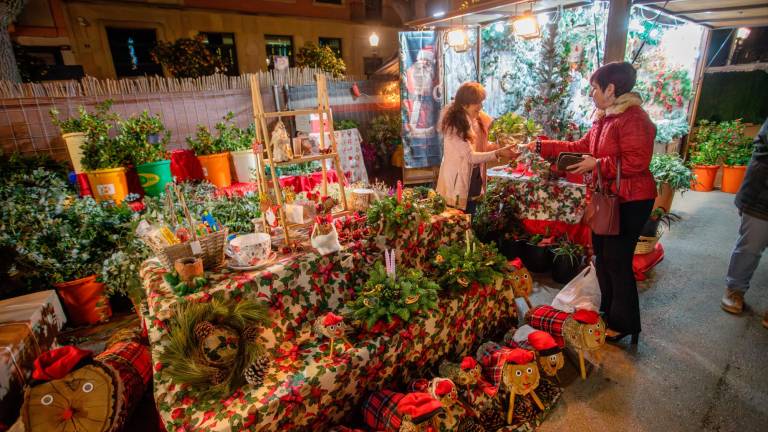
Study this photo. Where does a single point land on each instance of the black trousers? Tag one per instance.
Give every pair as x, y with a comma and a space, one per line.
620, 303
475, 187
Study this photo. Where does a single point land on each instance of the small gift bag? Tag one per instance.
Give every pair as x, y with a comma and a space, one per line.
325, 238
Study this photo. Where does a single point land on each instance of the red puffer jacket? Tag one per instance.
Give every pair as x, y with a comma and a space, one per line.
625, 132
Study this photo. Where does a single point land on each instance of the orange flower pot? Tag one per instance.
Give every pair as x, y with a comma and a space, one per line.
216, 169
732, 178
109, 184
705, 177
84, 301
664, 198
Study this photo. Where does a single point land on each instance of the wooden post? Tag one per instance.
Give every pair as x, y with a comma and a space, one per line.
511, 410
537, 400
617, 27
693, 109
582, 369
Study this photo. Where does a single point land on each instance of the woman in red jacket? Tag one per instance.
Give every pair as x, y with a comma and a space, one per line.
622, 134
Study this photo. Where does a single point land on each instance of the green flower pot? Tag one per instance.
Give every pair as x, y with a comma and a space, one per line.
154, 176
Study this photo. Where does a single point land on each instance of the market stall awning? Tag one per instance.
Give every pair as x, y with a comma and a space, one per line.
710, 13
714, 13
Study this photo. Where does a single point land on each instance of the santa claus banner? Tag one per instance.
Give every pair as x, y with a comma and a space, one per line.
420, 99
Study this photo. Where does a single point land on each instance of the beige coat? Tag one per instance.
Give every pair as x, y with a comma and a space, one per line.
459, 157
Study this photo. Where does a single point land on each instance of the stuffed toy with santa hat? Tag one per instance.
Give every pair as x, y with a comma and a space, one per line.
548, 353
400, 412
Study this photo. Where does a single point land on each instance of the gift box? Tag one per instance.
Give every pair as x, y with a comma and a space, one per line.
29, 326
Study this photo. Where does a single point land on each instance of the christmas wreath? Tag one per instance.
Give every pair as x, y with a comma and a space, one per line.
214, 346
385, 297
458, 265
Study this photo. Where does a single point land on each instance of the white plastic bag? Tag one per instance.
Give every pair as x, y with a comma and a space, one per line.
582, 292
325, 243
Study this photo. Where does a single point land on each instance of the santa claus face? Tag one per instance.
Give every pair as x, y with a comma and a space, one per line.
550, 364
521, 379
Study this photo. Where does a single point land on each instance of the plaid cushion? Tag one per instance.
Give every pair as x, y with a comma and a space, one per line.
380, 410
550, 320
493, 362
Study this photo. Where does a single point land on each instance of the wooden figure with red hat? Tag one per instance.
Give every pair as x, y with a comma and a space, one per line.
521, 377
466, 374
400, 412
333, 327
548, 353
521, 281
582, 330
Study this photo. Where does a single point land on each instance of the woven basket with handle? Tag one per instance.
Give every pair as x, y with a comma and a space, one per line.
212, 245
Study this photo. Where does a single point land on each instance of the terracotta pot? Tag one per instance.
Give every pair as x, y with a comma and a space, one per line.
665, 197
705, 177
188, 268
732, 178
84, 301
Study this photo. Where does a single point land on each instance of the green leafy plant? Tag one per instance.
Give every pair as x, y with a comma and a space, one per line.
658, 217
392, 218
739, 155
384, 132
323, 58
345, 124
146, 136
669, 168
512, 127
384, 297
188, 58
228, 137
458, 266
714, 141
495, 213
242, 139
574, 252
94, 124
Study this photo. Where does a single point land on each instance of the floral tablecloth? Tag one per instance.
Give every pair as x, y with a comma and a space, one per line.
304, 389
350, 153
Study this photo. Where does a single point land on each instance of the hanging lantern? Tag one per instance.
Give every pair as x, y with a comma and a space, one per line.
743, 33
526, 26
374, 40
458, 39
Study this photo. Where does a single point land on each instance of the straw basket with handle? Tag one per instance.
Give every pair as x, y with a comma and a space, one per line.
210, 247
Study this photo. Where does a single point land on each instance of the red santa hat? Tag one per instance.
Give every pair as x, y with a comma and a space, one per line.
468, 363
332, 319
57, 363
543, 342
443, 387
585, 316
420, 406
516, 263
520, 356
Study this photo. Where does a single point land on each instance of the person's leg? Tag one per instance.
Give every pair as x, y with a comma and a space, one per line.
752, 241
619, 250
606, 290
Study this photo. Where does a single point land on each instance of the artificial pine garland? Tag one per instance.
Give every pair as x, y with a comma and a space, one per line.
458, 265
213, 346
385, 297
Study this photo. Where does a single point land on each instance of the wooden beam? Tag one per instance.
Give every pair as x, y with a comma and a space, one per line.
617, 28
698, 79
722, 9
673, 15
752, 18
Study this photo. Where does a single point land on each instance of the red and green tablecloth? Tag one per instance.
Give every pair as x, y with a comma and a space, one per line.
304, 389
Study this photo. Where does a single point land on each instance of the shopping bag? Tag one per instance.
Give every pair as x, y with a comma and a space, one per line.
325, 239
582, 292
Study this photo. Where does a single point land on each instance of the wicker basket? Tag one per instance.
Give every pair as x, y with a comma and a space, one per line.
212, 245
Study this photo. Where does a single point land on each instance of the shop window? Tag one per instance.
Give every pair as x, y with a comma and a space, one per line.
333, 43
373, 9
278, 49
223, 45
131, 51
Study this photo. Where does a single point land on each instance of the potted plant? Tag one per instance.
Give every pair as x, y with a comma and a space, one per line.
384, 132
671, 175
537, 255
213, 151
658, 217
147, 137
75, 129
568, 259
735, 165
457, 266
243, 158
511, 128
345, 124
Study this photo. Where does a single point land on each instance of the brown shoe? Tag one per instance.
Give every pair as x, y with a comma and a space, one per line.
732, 301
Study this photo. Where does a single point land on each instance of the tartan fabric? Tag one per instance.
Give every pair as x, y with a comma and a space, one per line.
493, 362
133, 354
550, 320
380, 410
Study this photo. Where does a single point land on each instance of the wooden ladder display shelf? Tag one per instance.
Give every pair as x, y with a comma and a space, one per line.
263, 136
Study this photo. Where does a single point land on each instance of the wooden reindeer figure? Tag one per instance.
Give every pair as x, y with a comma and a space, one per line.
521, 377
582, 330
549, 355
333, 327
521, 281
400, 412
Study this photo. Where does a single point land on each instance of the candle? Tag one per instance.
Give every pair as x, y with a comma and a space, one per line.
399, 191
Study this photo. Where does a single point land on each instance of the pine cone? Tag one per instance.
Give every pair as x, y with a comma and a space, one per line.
203, 329
254, 374
469, 424
220, 376
492, 420
251, 334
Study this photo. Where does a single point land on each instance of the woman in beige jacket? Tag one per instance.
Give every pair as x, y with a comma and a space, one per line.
465, 144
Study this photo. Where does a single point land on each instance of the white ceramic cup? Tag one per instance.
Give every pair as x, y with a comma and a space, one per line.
249, 249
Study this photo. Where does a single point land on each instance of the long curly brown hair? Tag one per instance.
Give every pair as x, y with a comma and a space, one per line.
455, 117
